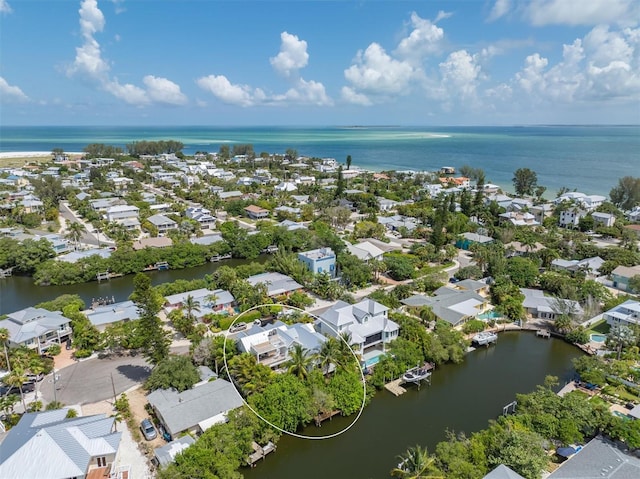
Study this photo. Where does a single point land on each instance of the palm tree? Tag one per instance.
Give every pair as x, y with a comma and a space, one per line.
4, 338
211, 300
329, 354
75, 232
191, 305
299, 362
416, 463
16, 379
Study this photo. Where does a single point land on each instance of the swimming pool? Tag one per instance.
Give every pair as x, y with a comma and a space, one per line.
621, 415
490, 315
598, 338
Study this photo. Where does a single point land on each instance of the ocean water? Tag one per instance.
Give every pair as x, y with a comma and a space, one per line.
587, 158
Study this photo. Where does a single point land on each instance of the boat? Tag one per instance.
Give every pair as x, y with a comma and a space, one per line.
485, 338
448, 170
418, 374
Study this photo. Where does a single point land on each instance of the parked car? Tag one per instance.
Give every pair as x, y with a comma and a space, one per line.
238, 327
148, 430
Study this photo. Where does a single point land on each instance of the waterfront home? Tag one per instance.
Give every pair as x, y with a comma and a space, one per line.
517, 218
143, 243
59, 244
503, 472
622, 274
588, 202
465, 240
36, 328
451, 305
48, 445
318, 261
542, 211
272, 343
545, 307
277, 283
207, 239
162, 223
202, 216
570, 217
365, 251
194, 410
255, 212
366, 322
627, 314
75, 256
601, 458
105, 315
209, 301
478, 287
165, 455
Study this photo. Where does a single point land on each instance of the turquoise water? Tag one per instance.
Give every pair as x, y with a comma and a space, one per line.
621, 415
589, 158
490, 315
598, 338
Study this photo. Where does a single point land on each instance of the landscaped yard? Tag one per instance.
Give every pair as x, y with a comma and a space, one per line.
601, 327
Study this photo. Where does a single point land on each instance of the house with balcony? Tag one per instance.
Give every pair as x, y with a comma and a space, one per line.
256, 213
202, 215
163, 223
366, 322
626, 314
36, 328
603, 219
48, 445
271, 344
318, 261
518, 218
570, 217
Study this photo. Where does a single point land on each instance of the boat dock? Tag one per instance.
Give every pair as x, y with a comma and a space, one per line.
485, 338
6, 273
260, 452
543, 333
414, 375
102, 276
395, 388
324, 416
220, 257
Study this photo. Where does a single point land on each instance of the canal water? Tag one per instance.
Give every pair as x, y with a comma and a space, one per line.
18, 292
462, 397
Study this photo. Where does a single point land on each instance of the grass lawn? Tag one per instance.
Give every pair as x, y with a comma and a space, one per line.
601, 327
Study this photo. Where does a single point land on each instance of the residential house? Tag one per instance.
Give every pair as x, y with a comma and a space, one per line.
478, 287
588, 202
59, 244
152, 243
300, 199
194, 410
48, 445
386, 205
622, 274
272, 343
542, 211
599, 458
627, 314
318, 261
32, 204
209, 301
285, 187
590, 266
461, 181
255, 212
546, 307
365, 251
518, 218
228, 195
105, 315
570, 217
277, 283
451, 305
465, 240
395, 222
75, 256
165, 455
121, 183
292, 225
634, 214
162, 223
159, 208
288, 211
202, 216
603, 219
207, 239
121, 212
516, 248
366, 322
503, 472
36, 328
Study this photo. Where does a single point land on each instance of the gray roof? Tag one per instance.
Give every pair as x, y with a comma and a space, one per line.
74, 256
161, 220
167, 453
277, 283
449, 304
599, 459
503, 472
535, 299
63, 447
30, 323
207, 239
113, 313
185, 410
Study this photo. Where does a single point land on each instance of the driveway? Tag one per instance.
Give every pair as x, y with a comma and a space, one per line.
94, 380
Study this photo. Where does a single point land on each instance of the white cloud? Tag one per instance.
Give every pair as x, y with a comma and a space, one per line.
351, 96
304, 92
582, 12
162, 90
5, 7
377, 73
227, 92
293, 55
460, 74
11, 93
442, 15
90, 63
118, 6
424, 39
500, 9
531, 77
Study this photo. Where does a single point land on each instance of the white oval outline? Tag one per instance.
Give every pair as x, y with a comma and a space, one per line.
294, 434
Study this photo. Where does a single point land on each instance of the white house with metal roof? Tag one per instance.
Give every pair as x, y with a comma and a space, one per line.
365, 251
47, 445
209, 301
36, 328
277, 283
103, 316
367, 323
195, 410
627, 314
451, 305
547, 307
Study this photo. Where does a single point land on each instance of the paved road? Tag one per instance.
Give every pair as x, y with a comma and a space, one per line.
87, 237
90, 381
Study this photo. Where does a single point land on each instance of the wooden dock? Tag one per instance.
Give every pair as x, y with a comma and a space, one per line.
102, 276
324, 416
6, 273
259, 452
543, 333
395, 388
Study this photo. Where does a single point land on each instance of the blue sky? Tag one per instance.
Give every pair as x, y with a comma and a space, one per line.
375, 62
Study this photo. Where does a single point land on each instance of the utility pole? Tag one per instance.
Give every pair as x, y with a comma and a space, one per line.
113, 386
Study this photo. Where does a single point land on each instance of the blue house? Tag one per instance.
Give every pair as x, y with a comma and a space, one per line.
321, 260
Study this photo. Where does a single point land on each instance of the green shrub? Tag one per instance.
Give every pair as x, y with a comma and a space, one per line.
82, 353
473, 326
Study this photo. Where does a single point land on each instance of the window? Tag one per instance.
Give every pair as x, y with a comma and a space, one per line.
102, 461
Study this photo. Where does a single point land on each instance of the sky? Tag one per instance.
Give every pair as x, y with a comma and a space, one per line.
319, 63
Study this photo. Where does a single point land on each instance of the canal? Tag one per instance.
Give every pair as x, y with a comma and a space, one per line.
462, 397
18, 292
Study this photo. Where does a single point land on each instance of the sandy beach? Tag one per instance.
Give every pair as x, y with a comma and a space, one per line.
32, 154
